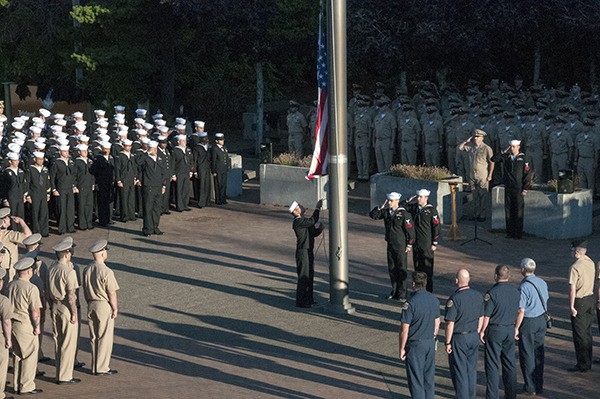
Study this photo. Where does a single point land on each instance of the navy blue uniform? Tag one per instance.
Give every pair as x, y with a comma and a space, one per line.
420, 312
464, 308
305, 231
501, 305
399, 233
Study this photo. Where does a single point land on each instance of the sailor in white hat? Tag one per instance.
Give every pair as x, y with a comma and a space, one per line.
13, 178
220, 168
182, 169
400, 236
305, 229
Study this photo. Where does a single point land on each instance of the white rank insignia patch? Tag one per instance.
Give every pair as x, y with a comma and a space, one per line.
486, 297
405, 306
450, 303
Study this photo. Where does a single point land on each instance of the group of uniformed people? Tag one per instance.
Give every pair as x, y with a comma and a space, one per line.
559, 127
505, 313
78, 173
29, 287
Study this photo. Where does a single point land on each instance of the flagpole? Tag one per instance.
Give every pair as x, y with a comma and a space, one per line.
339, 301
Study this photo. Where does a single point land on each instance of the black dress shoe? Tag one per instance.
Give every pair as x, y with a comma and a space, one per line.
109, 372
187, 209
40, 374
44, 359
35, 391
71, 231
146, 234
167, 212
158, 232
79, 365
577, 369
71, 381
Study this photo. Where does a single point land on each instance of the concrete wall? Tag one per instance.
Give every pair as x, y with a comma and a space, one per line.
549, 215
282, 185
383, 183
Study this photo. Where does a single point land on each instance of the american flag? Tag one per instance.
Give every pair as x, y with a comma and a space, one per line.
318, 166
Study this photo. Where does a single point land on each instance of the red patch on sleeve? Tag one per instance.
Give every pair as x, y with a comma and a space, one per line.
527, 168
409, 225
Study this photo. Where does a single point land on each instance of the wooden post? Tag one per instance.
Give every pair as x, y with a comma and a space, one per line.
454, 234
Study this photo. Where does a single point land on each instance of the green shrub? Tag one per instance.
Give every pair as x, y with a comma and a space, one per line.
420, 172
292, 159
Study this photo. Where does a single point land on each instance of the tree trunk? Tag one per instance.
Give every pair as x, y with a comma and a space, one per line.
260, 96
403, 86
592, 72
537, 61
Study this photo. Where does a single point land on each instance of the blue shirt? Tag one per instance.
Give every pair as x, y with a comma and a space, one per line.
501, 304
464, 308
530, 300
420, 313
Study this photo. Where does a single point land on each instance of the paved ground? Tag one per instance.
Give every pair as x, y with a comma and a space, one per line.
206, 310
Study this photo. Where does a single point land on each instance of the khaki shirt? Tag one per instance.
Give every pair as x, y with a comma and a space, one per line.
581, 275
479, 161
24, 297
61, 280
11, 241
98, 282
5, 309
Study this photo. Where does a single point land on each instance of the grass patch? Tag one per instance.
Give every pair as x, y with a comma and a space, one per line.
292, 159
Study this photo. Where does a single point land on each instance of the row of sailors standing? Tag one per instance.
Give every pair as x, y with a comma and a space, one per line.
400, 133
96, 167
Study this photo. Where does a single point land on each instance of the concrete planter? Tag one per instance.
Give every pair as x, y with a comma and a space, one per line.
383, 183
282, 185
549, 215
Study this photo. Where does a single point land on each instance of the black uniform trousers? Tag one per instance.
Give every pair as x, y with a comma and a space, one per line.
397, 259
513, 208
39, 214
152, 208
531, 352
166, 198
85, 209
582, 331
500, 352
182, 192
66, 210
221, 188
423, 261
139, 198
203, 185
305, 267
105, 203
420, 368
127, 199
463, 364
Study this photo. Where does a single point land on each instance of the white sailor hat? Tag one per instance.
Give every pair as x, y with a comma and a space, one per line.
83, 138
24, 118
203, 134
122, 133
140, 111
101, 130
61, 135
35, 129
17, 125
99, 112
515, 142
40, 140
3, 118
141, 132
293, 207
219, 136
39, 145
61, 122
102, 137
36, 120
77, 114
148, 126
13, 156
63, 148
62, 142
394, 196
163, 129
157, 116
105, 144
39, 154
119, 108
139, 121
123, 128
423, 193
55, 128
180, 127
153, 144
199, 123
14, 147
80, 126
59, 116
19, 142
24, 263
126, 142
103, 124
20, 136
145, 140
39, 124
98, 246
44, 112
81, 147
160, 122
181, 137
180, 121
